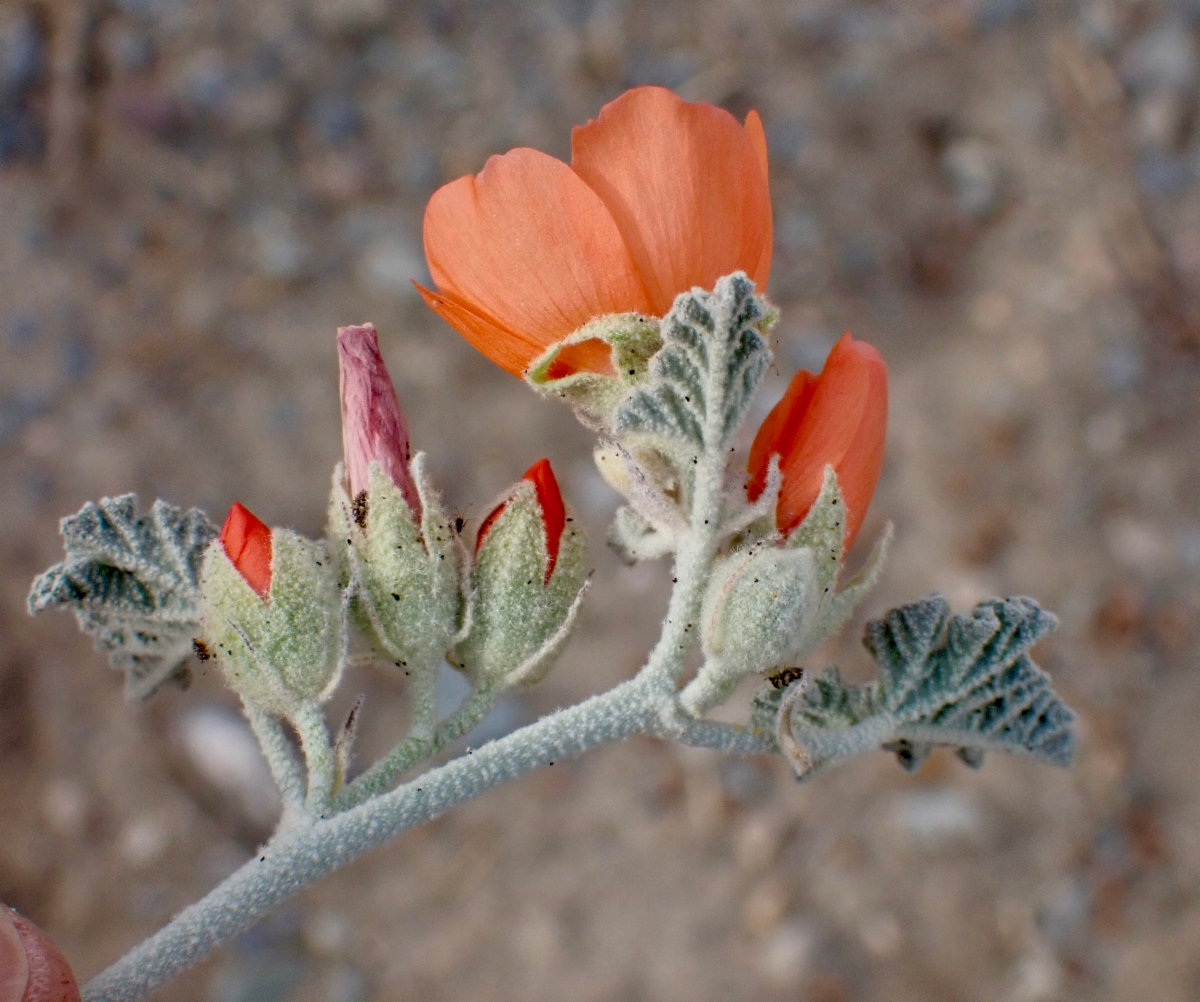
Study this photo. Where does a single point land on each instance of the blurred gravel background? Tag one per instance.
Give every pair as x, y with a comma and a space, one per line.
1001, 194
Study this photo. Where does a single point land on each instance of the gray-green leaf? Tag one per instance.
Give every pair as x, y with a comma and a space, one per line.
132, 582
713, 358
962, 681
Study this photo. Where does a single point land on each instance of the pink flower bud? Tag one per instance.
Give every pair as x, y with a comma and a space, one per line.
32, 968
373, 426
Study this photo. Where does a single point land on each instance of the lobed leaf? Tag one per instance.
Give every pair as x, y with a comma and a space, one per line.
963, 681
701, 382
133, 583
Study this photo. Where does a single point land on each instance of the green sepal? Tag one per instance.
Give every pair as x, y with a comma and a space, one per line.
757, 613
633, 340
285, 650
407, 592
775, 601
520, 621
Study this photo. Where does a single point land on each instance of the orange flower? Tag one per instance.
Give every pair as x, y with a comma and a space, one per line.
838, 418
247, 543
661, 195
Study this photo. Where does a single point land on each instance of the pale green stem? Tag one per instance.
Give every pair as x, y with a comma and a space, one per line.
412, 750
423, 689
298, 857
705, 692
310, 725
279, 753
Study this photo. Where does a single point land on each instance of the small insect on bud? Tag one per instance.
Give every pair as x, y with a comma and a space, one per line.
526, 584
272, 613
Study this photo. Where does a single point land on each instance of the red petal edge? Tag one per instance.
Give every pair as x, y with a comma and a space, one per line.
554, 512
247, 542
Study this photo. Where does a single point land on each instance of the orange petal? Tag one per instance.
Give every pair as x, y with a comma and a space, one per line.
554, 512
247, 543
686, 186
507, 348
758, 139
859, 471
838, 418
778, 430
528, 249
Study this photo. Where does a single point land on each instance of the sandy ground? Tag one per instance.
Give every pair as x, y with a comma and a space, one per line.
1000, 194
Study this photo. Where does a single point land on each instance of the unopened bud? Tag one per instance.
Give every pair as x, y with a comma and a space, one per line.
272, 613
526, 584
406, 573
776, 601
373, 426
32, 968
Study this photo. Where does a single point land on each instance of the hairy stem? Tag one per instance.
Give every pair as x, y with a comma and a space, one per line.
310, 725
415, 749
280, 755
295, 859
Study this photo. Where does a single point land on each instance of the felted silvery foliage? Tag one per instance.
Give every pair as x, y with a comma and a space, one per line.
133, 583
964, 682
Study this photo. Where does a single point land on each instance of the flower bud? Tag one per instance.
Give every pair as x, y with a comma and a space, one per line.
776, 601
526, 584
406, 573
373, 426
272, 613
838, 419
758, 612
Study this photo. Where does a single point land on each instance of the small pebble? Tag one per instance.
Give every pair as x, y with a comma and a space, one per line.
786, 956
936, 817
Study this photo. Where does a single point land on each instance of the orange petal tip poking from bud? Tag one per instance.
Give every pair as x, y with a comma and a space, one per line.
486, 525
554, 512
837, 418
247, 543
661, 195
32, 968
373, 426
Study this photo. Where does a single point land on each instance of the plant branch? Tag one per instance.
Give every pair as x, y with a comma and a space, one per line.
415, 749
280, 755
297, 858
309, 722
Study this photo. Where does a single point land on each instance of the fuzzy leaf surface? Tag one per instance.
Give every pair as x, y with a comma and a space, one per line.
964, 681
133, 583
701, 382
